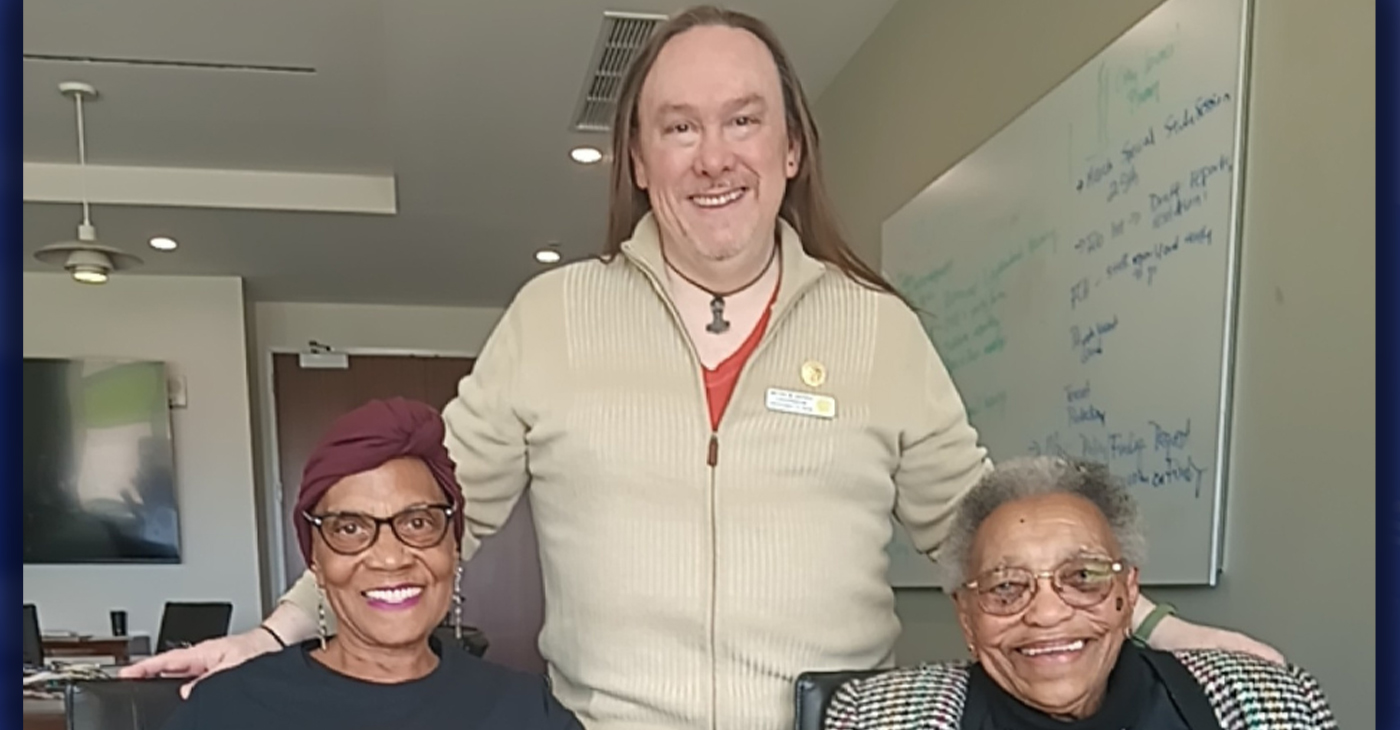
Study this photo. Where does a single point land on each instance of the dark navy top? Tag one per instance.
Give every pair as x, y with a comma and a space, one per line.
289, 689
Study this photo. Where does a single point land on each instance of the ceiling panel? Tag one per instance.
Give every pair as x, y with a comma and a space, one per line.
269, 32
327, 120
466, 104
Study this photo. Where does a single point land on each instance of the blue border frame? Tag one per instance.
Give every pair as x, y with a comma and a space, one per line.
1387, 331
1387, 334
13, 181
11, 359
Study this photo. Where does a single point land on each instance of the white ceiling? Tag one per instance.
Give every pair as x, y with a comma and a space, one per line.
463, 106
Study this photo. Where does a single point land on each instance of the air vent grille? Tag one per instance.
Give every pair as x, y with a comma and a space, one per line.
621, 36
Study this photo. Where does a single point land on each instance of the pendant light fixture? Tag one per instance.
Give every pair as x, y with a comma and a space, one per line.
85, 259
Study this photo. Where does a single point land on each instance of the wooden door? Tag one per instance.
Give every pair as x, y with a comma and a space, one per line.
501, 585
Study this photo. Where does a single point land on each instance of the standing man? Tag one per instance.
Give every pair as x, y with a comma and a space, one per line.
716, 419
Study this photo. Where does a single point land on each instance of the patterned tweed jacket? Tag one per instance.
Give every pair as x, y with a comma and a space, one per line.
1245, 692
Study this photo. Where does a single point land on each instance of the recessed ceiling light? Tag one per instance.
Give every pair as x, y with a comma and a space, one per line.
547, 256
586, 155
164, 243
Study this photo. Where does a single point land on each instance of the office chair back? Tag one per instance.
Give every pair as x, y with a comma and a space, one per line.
33, 640
814, 693
185, 624
473, 640
121, 704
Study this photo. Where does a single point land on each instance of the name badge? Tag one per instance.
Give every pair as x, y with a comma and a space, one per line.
801, 404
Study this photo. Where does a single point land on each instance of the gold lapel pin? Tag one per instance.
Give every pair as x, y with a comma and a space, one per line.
813, 373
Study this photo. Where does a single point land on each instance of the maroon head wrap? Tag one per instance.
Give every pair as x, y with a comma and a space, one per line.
368, 437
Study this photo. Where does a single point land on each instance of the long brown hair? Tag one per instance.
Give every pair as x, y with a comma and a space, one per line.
806, 205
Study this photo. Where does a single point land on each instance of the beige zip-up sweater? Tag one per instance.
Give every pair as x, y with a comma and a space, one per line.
690, 576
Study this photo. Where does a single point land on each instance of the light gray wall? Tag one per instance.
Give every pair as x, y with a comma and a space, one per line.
938, 78
195, 325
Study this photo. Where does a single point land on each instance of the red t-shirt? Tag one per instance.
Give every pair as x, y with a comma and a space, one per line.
719, 382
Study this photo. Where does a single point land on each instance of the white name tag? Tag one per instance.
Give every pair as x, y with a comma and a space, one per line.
802, 404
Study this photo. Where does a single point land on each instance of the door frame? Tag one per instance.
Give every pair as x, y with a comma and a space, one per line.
274, 542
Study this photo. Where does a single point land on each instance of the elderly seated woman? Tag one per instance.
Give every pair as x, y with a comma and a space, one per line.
1044, 558
379, 520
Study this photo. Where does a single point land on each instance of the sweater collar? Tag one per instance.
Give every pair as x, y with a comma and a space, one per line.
800, 270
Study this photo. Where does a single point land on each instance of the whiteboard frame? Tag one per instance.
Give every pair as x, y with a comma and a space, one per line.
1225, 415
1224, 440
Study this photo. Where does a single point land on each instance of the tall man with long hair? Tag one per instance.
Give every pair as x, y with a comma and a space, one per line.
715, 419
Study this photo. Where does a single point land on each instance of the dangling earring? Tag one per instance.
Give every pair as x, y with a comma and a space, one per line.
321, 617
457, 605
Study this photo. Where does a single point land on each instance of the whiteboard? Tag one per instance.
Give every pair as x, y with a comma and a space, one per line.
1077, 274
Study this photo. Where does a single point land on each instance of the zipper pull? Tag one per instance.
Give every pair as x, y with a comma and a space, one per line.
713, 457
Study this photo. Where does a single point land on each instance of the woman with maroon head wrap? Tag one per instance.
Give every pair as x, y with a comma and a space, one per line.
380, 523
715, 420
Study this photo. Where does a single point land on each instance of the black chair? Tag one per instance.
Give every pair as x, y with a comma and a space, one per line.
186, 624
473, 639
121, 704
815, 690
33, 640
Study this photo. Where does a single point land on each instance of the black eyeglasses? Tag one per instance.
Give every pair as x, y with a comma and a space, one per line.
351, 533
1080, 583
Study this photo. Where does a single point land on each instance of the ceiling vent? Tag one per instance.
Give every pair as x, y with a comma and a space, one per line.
621, 37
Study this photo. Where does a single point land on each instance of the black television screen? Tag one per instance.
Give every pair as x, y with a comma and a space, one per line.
99, 477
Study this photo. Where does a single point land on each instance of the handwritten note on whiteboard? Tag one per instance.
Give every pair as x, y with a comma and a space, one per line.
1076, 273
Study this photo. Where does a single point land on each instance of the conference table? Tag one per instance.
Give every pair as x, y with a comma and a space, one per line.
117, 647
49, 713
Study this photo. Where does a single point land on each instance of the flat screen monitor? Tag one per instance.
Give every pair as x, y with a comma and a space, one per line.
99, 476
